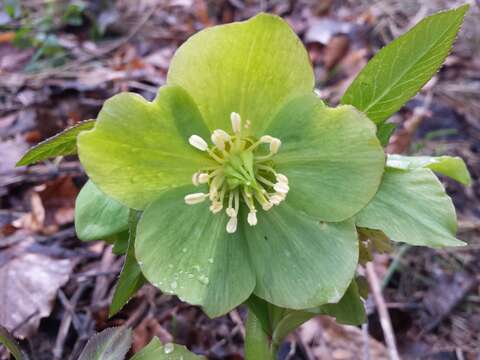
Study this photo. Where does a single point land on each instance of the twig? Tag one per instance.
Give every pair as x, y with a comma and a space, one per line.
382, 311
366, 342
238, 322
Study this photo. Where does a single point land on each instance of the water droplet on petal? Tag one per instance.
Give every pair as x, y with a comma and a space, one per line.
210, 260
196, 267
168, 348
184, 250
203, 279
190, 276
170, 266
173, 285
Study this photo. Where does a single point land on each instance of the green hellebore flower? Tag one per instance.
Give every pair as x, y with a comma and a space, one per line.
247, 181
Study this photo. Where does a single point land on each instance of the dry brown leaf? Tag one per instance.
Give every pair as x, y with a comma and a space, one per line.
29, 283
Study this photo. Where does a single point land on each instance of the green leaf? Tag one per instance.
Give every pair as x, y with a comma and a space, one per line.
331, 156
97, 216
400, 69
412, 207
451, 166
131, 278
120, 242
139, 149
299, 262
251, 67
7, 340
110, 344
350, 310
155, 350
64, 143
185, 250
256, 340
384, 132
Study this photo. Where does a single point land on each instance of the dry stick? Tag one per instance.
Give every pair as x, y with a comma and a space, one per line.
382, 311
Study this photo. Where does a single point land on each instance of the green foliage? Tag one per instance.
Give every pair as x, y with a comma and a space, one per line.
97, 216
155, 350
400, 69
411, 206
451, 166
64, 143
10, 343
131, 278
110, 344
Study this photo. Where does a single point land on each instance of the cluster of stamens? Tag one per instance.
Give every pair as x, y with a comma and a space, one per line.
243, 173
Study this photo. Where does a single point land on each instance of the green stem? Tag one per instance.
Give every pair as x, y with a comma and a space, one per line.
257, 342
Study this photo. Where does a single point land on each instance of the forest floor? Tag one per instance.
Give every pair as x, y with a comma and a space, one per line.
60, 60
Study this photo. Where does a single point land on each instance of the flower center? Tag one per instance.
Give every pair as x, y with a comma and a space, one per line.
242, 176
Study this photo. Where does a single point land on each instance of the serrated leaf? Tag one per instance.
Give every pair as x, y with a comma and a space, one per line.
110, 344
155, 350
131, 278
64, 143
451, 166
98, 216
7, 340
400, 69
411, 206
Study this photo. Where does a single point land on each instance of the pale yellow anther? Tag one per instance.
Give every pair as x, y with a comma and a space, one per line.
195, 198
198, 143
203, 178
236, 122
216, 207
232, 225
281, 178
252, 218
219, 138
231, 212
281, 187
275, 145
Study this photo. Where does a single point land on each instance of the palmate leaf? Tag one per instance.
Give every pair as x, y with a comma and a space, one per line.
400, 69
155, 350
64, 143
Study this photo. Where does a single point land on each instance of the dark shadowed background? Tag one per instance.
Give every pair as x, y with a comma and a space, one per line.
59, 60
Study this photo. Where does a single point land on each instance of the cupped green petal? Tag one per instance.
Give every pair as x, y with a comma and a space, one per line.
412, 207
139, 148
185, 250
451, 166
251, 67
300, 262
331, 156
97, 216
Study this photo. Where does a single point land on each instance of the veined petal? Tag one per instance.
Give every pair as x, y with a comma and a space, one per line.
185, 250
139, 149
251, 68
331, 156
412, 207
300, 262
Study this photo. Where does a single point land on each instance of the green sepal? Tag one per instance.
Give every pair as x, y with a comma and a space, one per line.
399, 70
384, 132
62, 144
98, 216
252, 67
131, 278
155, 350
119, 242
451, 166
